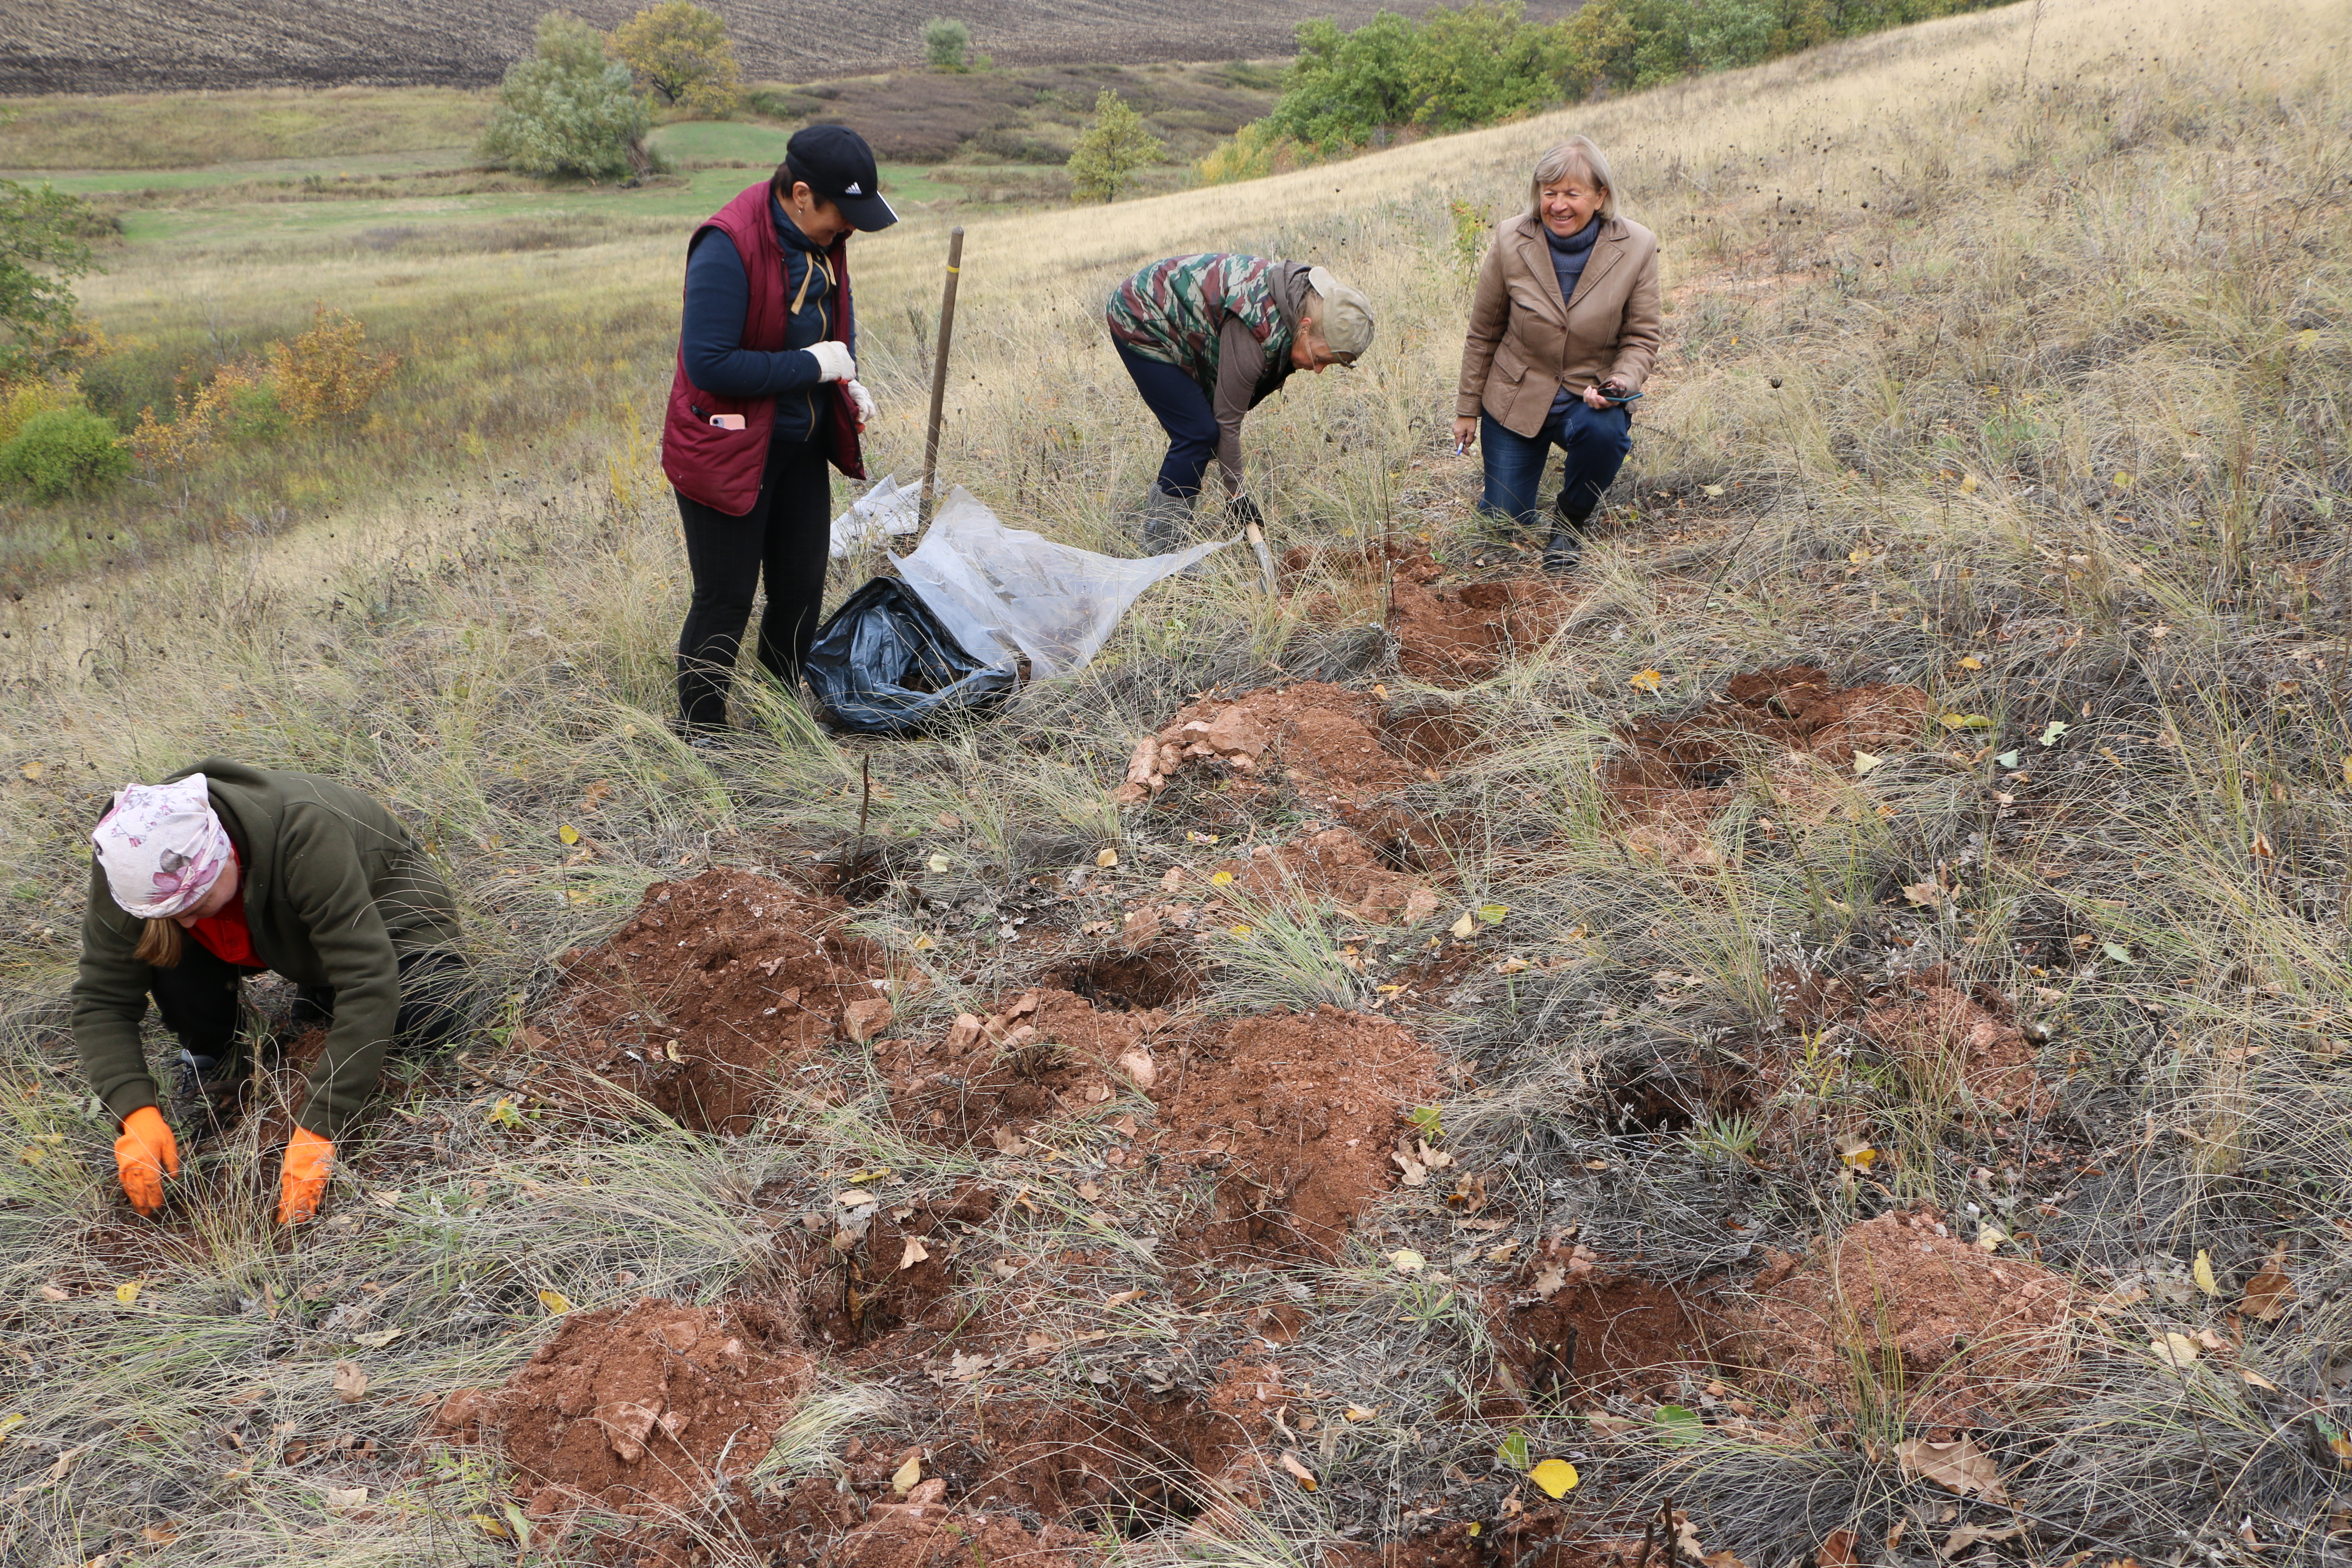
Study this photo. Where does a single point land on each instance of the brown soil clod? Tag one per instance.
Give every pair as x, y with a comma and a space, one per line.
1338, 864
713, 993
1325, 739
1946, 1330
1294, 1117
1943, 1043
1458, 636
1576, 1327
631, 1409
1670, 776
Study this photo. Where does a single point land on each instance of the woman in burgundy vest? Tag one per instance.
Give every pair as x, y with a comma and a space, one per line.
765, 393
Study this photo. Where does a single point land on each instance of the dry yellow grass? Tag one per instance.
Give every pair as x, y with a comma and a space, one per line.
2058, 437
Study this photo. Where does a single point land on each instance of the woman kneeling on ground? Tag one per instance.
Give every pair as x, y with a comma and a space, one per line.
222, 871
765, 393
1563, 330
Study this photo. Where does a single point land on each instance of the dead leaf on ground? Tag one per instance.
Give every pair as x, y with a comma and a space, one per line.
2178, 1352
343, 1500
1298, 1470
1967, 1535
1959, 1466
1837, 1550
916, 1252
903, 1479
2270, 1291
351, 1382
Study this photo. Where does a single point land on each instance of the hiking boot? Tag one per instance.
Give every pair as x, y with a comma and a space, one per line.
208, 1095
1167, 523
1563, 548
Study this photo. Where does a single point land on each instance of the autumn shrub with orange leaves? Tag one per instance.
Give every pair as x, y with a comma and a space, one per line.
324, 376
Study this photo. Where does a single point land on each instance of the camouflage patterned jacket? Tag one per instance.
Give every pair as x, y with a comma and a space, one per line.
1228, 321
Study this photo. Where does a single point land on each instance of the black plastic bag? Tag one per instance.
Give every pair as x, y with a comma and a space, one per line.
885, 665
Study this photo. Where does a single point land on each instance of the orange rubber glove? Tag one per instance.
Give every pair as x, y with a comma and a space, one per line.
143, 1156
309, 1161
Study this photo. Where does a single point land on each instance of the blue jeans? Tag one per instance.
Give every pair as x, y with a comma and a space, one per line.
1183, 411
1595, 441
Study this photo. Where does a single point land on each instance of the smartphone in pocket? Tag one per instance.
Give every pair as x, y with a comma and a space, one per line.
728, 421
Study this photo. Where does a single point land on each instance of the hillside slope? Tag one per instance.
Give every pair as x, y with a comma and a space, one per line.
122, 46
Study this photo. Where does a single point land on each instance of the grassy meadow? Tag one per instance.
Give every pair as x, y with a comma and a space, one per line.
2006, 356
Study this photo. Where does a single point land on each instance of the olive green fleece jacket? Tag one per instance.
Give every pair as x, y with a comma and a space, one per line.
335, 888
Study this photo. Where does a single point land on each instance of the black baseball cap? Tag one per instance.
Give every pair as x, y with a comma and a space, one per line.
838, 165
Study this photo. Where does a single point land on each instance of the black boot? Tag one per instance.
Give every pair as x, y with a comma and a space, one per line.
1566, 545
1167, 523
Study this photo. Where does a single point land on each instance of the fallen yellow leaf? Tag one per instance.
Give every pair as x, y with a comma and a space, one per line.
1863, 762
2202, 1270
32, 770
1971, 662
1407, 1261
904, 1478
2178, 1352
1298, 1471
1463, 928
127, 1291
1556, 1477
1225, 878
1648, 680
1107, 859
1354, 1411
568, 834
555, 1301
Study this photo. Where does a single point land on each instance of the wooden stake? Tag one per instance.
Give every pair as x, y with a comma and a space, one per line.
924, 501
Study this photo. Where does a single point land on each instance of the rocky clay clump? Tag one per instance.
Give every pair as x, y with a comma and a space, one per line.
630, 1408
715, 993
1953, 1335
1324, 740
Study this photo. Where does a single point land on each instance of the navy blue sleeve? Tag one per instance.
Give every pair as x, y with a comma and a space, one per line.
718, 292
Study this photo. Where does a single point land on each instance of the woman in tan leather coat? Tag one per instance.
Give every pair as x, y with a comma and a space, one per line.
1563, 331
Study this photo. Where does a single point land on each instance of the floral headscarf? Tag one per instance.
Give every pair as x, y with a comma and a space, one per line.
162, 847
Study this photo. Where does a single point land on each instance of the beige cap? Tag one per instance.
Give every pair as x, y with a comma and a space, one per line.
1345, 321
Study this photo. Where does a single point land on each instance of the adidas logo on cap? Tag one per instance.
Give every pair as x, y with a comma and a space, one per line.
853, 189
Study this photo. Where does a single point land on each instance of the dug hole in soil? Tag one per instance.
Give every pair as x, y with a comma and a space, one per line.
1268, 1137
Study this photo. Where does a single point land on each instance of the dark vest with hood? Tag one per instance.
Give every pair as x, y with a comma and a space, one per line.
722, 468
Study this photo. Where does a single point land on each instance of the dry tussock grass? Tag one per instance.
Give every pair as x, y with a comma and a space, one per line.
2057, 438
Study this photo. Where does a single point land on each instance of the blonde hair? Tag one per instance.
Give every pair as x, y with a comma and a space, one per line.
1576, 155
159, 945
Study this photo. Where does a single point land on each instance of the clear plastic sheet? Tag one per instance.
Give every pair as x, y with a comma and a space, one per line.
1006, 592
884, 512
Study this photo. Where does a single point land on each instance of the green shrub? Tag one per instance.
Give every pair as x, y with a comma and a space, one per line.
62, 452
568, 109
1114, 146
947, 44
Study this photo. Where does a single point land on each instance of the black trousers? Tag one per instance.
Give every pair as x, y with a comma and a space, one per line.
198, 999
784, 536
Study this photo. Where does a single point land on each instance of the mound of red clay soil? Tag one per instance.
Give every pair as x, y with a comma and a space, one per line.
1457, 636
1325, 739
1337, 865
1671, 776
1294, 1115
1972, 1334
630, 1408
987, 1081
1447, 635
1577, 1326
711, 995
1940, 1037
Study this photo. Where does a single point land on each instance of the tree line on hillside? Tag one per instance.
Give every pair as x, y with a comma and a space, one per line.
1484, 62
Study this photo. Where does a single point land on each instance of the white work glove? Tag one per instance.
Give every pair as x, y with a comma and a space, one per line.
833, 361
865, 400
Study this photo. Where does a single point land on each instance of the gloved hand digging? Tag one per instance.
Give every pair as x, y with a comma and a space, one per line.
309, 1161
143, 1156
